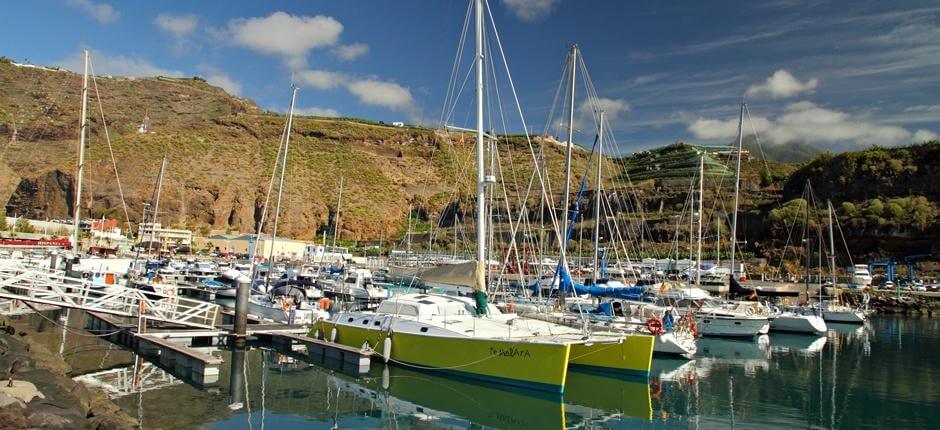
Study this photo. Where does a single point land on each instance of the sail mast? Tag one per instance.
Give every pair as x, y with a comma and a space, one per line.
737, 185
156, 206
564, 233
76, 212
832, 247
280, 189
481, 177
597, 199
339, 204
701, 197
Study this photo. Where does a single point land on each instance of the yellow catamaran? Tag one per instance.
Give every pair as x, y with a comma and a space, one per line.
468, 336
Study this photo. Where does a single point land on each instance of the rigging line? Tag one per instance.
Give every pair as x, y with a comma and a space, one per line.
267, 199
757, 139
521, 114
789, 236
107, 136
457, 59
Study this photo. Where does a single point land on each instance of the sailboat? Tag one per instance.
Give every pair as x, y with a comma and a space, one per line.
283, 303
470, 337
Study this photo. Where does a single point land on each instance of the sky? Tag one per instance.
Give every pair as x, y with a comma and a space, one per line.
836, 74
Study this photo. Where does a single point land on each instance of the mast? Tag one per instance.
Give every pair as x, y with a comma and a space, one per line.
597, 199
481, 177
701, 197
737, 185
76, 215
280, 189
565, 203
832, 247
339, 204
156, 206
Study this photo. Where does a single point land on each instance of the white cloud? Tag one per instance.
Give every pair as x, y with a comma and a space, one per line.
179, 27
782, 84
321, 79
118, 65
710, 129
351, 52
805, 121
530, 10
924, 136
383, 94
101, 12
317, 111
217, 77
291, 37
588, 112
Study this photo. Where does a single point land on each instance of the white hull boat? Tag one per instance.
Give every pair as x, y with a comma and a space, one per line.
796, 323
281, 309
720, 325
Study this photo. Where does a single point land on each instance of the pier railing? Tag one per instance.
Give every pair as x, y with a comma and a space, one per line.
44, 286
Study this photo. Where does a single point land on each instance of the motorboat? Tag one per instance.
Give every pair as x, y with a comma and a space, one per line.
797, 319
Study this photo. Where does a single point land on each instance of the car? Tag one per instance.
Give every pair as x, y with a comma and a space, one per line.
921, 288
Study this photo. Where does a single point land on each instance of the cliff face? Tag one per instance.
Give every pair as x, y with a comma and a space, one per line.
221, 151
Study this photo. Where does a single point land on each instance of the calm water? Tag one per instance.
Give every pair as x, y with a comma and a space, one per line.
876, 376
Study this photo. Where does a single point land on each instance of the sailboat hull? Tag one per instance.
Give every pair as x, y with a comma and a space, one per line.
516, 362
632, 355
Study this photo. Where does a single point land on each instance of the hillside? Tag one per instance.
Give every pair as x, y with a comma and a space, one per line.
221, 151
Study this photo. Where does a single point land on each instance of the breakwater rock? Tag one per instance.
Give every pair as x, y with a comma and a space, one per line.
887, 302
35, 391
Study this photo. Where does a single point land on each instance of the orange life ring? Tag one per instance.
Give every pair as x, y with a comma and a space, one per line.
286, 303
656, 389
325, 304
654, 325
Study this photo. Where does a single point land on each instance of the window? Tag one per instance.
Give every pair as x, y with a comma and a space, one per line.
378, 323
737, 323
424, 329
350, 319
366, 322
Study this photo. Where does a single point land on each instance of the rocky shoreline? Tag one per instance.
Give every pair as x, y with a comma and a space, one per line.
887, 302
36, 393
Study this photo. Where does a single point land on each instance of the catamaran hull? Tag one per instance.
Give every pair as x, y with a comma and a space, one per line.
631, 355
731, 327
810, 324
849, 317
538, 366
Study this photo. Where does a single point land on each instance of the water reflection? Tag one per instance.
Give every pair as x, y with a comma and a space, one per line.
857, 376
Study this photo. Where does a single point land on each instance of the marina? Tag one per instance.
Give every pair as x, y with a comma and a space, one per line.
199, 253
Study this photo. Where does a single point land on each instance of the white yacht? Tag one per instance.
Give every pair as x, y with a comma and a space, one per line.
356, 284
286, 310
861, 278
714, 317
797, 320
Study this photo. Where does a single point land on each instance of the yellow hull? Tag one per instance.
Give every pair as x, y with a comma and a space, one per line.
540, 366
633, 356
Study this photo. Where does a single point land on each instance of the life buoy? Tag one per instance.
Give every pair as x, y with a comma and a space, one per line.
509, 307
286, 303
656, 389
654, 325
325, 304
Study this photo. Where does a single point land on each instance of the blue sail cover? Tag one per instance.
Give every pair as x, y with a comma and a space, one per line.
567, 285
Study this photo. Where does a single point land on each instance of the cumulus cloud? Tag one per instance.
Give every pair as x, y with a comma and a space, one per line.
782, 84
288, 36
383, 94
321, 79
351, 52
179, 27
217, 77
101, 12
588, 112
317, 111
805, 121
924, 136
530, 10
117, 65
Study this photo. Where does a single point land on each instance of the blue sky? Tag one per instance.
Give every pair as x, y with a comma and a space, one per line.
837, 74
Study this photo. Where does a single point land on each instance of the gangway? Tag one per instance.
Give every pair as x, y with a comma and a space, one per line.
48, 287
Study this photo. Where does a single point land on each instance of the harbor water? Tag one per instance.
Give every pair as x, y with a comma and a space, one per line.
875, 376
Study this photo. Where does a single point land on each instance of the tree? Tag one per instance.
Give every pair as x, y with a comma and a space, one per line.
22, 225
3, 220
